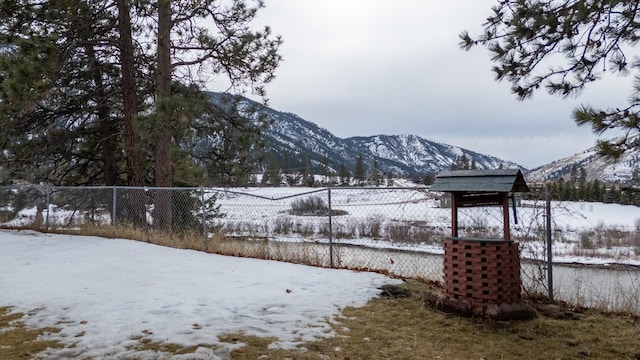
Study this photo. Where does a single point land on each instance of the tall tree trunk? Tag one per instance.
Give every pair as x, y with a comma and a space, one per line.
133, 202
129, 95
163, 164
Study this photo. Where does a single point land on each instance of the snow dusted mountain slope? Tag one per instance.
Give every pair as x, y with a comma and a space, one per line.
424, 155
595, 165
298, 143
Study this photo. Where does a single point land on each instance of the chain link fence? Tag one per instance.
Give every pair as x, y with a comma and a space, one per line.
398, 231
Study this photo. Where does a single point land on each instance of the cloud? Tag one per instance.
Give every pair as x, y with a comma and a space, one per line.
368, 67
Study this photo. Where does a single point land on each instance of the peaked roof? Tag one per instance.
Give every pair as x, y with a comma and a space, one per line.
502, 180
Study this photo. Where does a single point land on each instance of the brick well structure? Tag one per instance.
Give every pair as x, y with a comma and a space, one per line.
479, 271
482, 272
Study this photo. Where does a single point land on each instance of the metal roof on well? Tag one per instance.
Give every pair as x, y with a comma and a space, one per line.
501, 180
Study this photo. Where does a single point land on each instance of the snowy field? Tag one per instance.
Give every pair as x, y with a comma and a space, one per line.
390, 218
108, 294
582, 232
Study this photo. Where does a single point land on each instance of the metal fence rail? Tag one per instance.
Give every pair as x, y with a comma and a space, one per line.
394, 230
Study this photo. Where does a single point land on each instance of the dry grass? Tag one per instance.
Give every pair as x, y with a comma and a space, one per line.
19, 342
145, 344
255, 247
405, 329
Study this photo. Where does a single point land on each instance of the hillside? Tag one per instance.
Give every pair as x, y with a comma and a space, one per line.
595, 165
296, 142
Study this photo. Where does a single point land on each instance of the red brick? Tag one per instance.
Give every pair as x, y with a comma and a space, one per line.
485, 272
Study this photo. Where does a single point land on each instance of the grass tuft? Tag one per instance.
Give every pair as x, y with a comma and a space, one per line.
17, 341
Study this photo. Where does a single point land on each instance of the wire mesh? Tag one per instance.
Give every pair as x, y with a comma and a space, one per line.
392, 230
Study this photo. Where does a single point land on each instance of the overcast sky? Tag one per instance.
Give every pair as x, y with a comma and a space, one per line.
369, 67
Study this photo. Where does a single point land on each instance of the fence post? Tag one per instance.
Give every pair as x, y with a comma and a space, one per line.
114, 204
547, 192
330, 229
204, 220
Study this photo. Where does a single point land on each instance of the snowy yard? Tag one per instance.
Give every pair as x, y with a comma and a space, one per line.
107, 294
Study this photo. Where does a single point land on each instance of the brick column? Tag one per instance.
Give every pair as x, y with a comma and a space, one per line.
482, 271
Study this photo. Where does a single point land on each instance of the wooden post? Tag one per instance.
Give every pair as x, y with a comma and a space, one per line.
505, 215
454, 216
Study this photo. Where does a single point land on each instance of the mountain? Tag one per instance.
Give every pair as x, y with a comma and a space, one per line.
295, 142
595, 165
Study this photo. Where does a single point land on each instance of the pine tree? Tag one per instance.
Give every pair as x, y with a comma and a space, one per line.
358, 172
581, 192
271, 176
558, 189
609, 195
390, 178
344, 175
78, 60
562, 46
375, 173
582, 178
307, 177
635, 176
59, 92
325, 169
461, 163
596, 191
428, 179
625, 198
464, 162
574, 173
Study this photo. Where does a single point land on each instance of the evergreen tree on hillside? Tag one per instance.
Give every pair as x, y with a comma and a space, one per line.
635, 175
596, 191
574, 173
344, 175
389, 177
358, 172
271, 176
582, 177
375, 173
428, 179
307, 177
461, 163
325, 170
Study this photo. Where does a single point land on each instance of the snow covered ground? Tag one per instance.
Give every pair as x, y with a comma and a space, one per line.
107, 294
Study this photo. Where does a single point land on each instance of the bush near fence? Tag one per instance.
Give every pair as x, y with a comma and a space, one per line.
394, 230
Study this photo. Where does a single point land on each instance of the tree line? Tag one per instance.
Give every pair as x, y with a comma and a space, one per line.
578, 188
307, 173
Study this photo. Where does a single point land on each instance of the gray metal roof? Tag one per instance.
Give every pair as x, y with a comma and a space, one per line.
502, 180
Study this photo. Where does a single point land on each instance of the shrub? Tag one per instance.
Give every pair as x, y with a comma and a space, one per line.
282, 225
312, 206
586, 241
